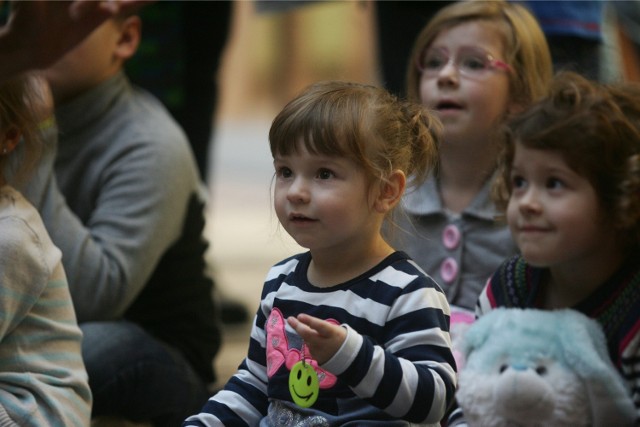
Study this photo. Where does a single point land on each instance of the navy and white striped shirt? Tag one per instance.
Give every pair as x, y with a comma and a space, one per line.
395, 367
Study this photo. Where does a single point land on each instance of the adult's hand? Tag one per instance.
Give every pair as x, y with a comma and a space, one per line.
39, 32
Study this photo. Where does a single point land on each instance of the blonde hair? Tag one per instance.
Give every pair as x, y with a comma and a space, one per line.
22, 105
364, 123
525, 46
596, 129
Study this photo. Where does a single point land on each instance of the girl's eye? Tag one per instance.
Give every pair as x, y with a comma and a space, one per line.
434, 62
283, 172
473, 63
517, 182
555, 183
324, 174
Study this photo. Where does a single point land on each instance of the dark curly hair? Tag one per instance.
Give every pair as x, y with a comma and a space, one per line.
596, 128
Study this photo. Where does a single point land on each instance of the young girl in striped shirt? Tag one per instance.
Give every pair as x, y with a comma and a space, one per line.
351, 332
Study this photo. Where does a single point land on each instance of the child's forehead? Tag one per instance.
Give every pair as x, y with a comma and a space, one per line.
304, 159
326, 143
523, 149
322, 151
472, 32
549, 159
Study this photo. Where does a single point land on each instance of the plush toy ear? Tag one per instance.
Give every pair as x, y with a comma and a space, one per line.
586, 352
476, 336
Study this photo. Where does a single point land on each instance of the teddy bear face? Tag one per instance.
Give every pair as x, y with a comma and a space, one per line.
527, 367
538, 392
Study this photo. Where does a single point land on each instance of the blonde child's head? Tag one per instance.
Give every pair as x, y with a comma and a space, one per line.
366, 124
525, 47
24, 108
596, 130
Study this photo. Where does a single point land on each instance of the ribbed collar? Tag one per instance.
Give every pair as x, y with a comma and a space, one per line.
426, 200
84, 109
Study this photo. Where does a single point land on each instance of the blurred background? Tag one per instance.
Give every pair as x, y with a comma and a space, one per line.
274, 51
271, 56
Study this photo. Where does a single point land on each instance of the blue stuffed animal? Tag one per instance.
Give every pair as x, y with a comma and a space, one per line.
540, 368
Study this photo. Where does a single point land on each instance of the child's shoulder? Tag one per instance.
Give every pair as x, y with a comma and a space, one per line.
13, 204
288, 265
400, 270
515, 283
24, 242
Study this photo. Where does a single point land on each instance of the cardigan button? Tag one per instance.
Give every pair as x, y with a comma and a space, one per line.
449, 270
451, 236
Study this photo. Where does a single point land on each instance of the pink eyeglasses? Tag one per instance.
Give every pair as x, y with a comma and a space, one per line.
469, 61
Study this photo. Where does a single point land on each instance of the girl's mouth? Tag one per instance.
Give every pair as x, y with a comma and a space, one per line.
447, 105
300, 218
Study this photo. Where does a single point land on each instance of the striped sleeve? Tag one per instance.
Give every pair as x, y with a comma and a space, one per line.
412, 375
243, 400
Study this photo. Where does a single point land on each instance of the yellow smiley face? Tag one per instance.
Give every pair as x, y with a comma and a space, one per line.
303, 384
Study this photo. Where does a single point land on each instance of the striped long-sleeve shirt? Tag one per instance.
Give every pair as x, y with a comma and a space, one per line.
43, 381
395, 367
615, 305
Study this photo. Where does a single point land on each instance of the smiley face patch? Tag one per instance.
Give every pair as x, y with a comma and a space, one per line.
306, 378
303, 384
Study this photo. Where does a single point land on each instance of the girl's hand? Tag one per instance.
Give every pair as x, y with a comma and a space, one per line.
323, 338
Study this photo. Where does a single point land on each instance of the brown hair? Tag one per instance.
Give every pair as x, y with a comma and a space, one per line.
22, 105
596, 128
364, 123
525, 46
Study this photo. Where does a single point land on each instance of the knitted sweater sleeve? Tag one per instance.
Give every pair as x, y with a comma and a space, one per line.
43, 378
138, 212
244, 399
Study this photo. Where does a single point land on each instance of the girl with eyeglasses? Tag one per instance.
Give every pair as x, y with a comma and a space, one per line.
473, 64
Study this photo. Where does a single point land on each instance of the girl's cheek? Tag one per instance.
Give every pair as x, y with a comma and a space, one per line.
424, 93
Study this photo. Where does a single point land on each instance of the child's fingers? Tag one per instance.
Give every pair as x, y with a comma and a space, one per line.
321, 327
301, 328
293, 322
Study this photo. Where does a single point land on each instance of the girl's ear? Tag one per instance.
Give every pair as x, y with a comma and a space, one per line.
10, 139
130, 30
390, 192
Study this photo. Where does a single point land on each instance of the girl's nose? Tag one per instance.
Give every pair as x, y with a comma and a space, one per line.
529, 202
298, 191
448, 74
